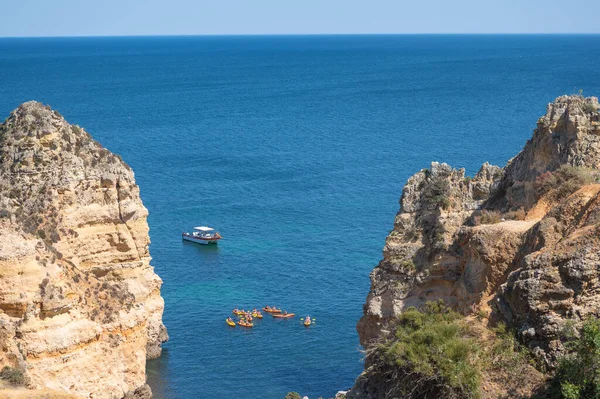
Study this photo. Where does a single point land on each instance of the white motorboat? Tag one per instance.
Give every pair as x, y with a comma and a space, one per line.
202, 235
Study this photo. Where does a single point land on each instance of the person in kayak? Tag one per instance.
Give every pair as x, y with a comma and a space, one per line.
230, 320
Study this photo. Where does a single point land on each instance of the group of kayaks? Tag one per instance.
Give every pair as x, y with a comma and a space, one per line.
246, 317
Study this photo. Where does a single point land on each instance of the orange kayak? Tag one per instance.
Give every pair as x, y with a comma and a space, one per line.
284, 316
272, 310
242, 324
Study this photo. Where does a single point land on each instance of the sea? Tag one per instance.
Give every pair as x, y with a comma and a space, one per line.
296, 149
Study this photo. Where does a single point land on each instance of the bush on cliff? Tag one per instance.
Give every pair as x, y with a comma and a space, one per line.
589, 108
292, 395
13, 376
432, 354
563, 182
578, 374
519, 214
487, 217
435, 193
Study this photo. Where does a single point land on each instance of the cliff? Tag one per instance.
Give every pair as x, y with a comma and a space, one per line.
80, 305
519, 244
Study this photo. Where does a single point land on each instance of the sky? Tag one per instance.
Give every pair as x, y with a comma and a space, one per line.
241, 17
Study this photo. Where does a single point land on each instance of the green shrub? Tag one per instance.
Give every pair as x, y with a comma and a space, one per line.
589, 108
408, 264
435, 193
481, 314
507, 356
578, 374
292, 395
433, 349
13, 376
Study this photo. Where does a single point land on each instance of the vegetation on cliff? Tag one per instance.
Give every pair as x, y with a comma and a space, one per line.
516, 246
12, 375
434, 352
578, 372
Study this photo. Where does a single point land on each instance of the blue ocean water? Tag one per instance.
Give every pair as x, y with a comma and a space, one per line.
296, 148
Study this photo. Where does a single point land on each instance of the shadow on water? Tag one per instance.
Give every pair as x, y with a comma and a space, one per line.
157, 376
206, 253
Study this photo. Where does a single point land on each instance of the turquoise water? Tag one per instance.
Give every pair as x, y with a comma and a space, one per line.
296, 149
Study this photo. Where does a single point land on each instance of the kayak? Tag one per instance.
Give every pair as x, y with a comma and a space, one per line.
257, 315
284, 316
272, 310
238, 312
307, 323
242, 324
230, 323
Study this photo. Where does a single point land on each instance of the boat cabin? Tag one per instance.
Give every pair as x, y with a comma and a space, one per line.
204, 232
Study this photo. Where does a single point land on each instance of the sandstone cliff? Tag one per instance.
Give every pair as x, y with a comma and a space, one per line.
80, 305
520, 244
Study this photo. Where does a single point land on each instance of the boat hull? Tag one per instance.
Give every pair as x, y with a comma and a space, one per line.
199, 240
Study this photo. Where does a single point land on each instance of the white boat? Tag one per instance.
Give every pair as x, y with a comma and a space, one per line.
202, 235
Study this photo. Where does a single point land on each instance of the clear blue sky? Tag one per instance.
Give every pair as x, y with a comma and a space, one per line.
203, 17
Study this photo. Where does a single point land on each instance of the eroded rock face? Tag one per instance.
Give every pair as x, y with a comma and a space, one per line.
537, 273
80, 304
420, 259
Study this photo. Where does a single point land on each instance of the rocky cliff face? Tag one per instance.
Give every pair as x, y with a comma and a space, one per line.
520, 243
80, 305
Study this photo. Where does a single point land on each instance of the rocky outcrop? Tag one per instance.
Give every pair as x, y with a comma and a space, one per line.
80, 305
420, 259
520, 242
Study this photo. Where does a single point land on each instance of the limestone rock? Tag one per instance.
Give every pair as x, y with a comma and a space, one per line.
420, 258
81, 303
453, 240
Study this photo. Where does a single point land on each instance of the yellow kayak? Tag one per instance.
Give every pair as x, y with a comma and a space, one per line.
230, 322
242, 324
257, 315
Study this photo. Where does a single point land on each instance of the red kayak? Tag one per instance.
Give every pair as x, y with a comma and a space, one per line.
284, 316
271, 310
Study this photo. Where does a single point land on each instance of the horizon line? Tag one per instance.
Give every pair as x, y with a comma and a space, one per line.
307, 34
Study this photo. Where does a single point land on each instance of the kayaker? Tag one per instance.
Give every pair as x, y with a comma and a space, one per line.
285, 312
